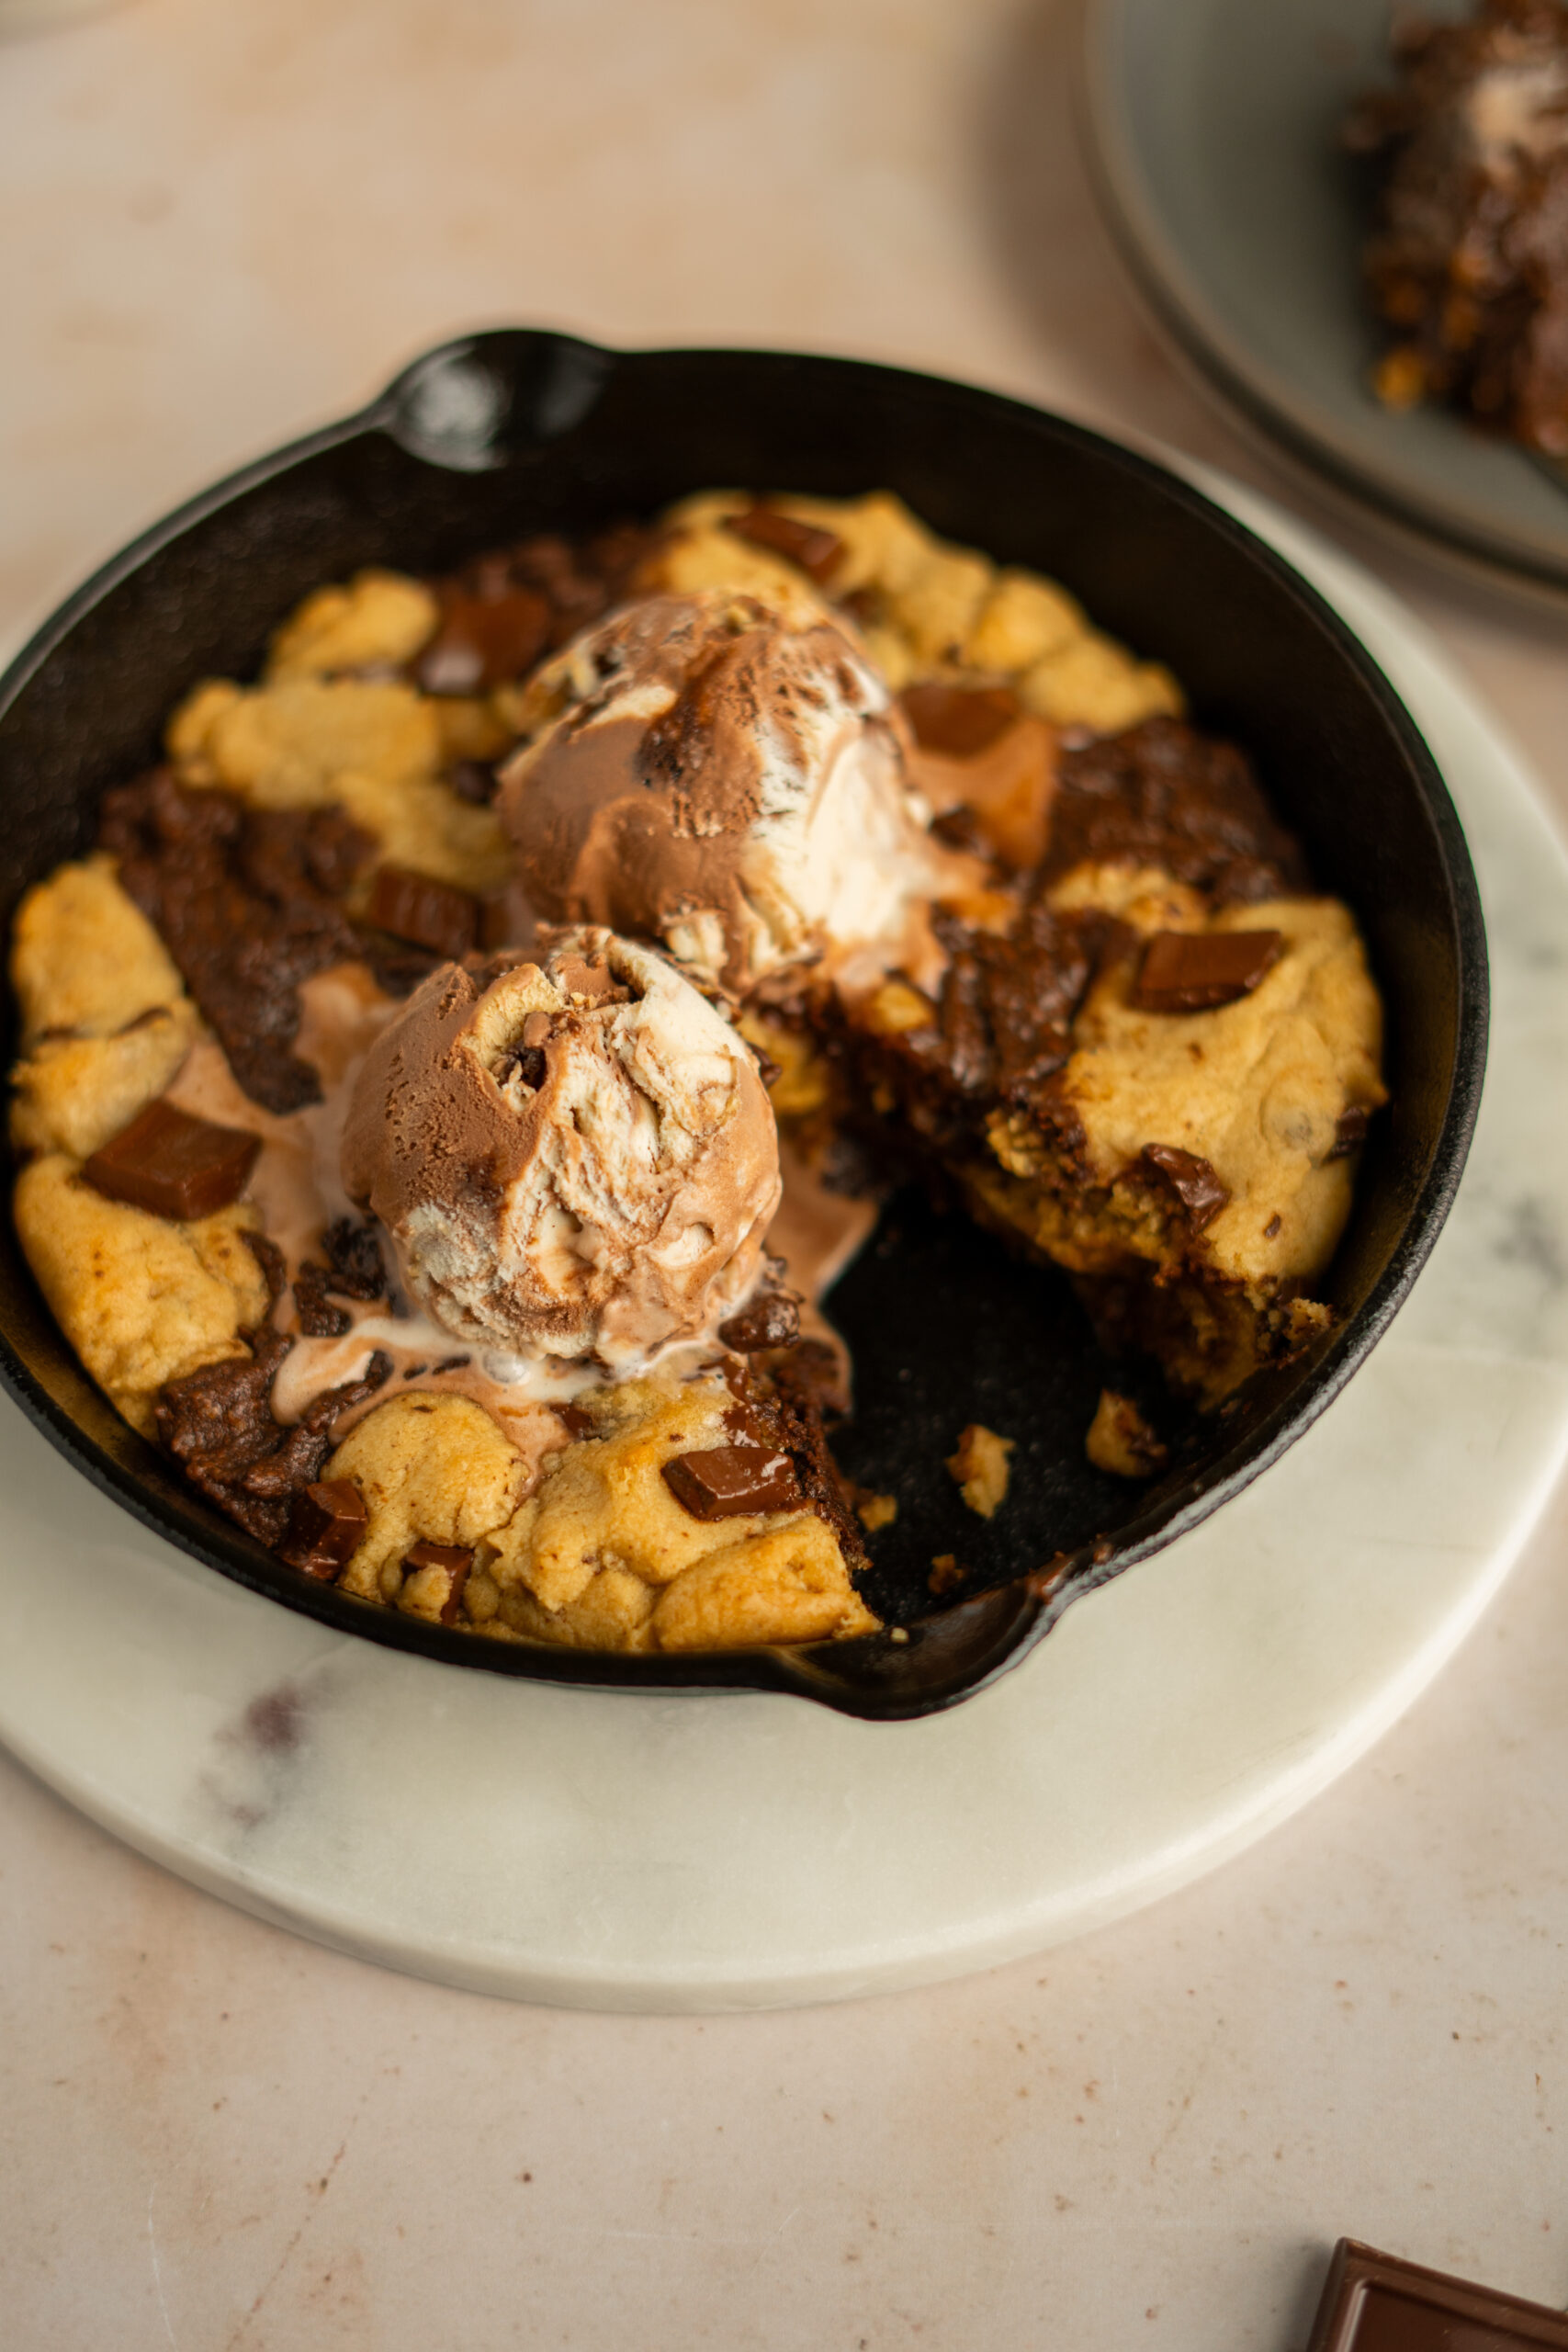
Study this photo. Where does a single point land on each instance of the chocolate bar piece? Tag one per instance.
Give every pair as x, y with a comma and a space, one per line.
772, 1320
173, 1165
326, 1525
959, 721
728, 1481
1192, 971
1375, 2302
1193, 1181
429, 914
815, 551
490, 631
456, 1559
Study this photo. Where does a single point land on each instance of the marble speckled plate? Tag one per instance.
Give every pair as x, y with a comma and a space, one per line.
1212, 127
620, 1850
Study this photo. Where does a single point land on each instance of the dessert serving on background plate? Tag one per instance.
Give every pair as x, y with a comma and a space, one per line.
1468, 264
451, 1082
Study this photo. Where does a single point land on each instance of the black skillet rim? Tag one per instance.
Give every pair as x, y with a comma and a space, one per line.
1017, 1616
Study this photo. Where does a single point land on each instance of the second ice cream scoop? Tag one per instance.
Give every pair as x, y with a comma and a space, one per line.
726, 779
572, 1156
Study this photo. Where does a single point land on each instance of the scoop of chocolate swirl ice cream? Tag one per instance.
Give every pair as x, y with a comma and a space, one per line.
726, 779
574, 1156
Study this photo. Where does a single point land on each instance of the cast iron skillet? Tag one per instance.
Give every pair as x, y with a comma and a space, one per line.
503, 434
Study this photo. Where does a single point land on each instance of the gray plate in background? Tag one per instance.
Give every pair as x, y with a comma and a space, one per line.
1212, 128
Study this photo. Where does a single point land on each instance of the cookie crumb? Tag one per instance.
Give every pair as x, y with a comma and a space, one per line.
946, 1576
1122, 1442
876, 1510
980, 1468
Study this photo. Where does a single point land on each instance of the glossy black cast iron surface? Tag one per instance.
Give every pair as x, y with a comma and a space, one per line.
514, 432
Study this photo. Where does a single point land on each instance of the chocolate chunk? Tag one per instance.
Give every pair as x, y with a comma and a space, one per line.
596, 981
270, 1258
450, 1363
326, 1525
729, 1480
959, 721
1271, 1229
248, 904
1160, 794
1193, 1182
473, 781
771, 1319
431, 914
173, 1165
217, 1423
1192, 971
1376, 2302
527, 1064
818, 552
456, 1560
1349, 1129
353, 1252
491, 631
579, 1420
318, 1320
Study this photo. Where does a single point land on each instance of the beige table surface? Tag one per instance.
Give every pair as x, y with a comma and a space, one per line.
224, 220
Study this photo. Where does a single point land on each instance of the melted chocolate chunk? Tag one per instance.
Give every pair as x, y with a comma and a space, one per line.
502, 612
1349, 1129
577, 1418
1192, 1180
491, 631
1007, 1003
217, 1423
353, 1253
248, 904
354, 1270
771, 1319
526, 1063
474, 781
318, 1320
456, 1559
959, 721
1193, 971
1163, 795
427, 914
726, 1481
173, 1165
781, 1412
326, 1522
818, 552
1376, 2302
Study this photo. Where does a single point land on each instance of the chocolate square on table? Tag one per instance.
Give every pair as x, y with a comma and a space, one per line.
1375, 2302
173, 1165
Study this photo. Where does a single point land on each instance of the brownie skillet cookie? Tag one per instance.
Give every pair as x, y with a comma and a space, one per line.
450, 1085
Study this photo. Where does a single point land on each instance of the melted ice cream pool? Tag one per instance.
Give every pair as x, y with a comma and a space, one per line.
298, 1192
